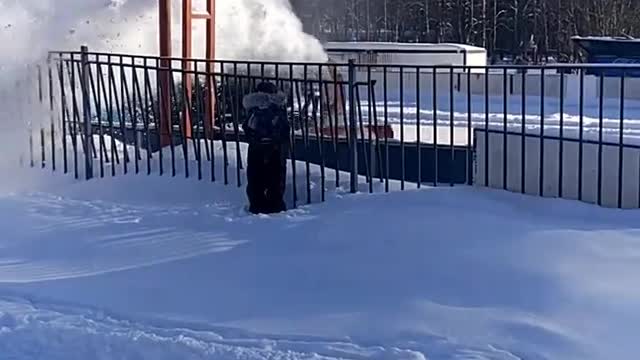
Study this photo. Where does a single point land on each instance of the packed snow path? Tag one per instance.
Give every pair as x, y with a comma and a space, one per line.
160, 268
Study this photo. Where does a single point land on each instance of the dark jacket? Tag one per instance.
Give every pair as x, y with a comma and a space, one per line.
266, 118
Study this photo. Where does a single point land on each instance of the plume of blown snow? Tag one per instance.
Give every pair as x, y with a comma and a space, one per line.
246, 29
29, 29
264, 30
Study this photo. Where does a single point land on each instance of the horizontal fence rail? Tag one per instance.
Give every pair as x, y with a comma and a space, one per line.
553, 130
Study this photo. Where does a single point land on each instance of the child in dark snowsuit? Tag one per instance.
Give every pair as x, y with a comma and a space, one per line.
267, 131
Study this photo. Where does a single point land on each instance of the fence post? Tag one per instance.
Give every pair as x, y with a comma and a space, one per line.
353, 129
86, 111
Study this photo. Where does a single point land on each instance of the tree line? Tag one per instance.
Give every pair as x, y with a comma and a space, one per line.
527, 29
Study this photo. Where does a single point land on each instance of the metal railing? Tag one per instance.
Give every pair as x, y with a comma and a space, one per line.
552, 130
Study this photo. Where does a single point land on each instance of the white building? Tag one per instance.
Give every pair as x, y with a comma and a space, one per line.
408, 54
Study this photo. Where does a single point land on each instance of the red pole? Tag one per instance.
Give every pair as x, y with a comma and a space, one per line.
210, 56
187, 29
164, 76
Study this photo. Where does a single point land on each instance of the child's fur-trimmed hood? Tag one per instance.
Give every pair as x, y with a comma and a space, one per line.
263, 100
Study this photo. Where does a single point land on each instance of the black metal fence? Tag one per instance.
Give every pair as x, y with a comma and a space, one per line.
544, 130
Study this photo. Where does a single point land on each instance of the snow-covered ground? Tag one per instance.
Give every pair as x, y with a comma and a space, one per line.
138, 267
554, 118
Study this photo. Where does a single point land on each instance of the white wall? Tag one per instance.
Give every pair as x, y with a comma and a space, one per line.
571, 89
552, 163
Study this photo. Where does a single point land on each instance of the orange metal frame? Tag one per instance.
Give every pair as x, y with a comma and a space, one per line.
165, 51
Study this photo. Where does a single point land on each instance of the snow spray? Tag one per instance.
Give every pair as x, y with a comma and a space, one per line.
246, 30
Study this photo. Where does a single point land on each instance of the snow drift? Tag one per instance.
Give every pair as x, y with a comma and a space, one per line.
93, 270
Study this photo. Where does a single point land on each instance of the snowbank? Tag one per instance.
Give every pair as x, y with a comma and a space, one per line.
167, 268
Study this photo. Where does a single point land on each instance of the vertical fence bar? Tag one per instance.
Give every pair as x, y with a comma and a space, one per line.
621, 141
600, 135
52, 116
375, 126
315, 108
92, 149
190, 109
320, 135
346, 124
505, 146
142, 110
133, 113
336, 122
486, 127
146, 111
369, 149
180, 106
76, 73
123, 116
212, 82
108, 93
581, 135
103, 157
403, 160
305, 97
155, 112
172, 104
43, 154
63, 108
293, 138
250, 86
224, 84
163, 116
353, 136
191, 126
115, 108
99, 114
102, 91
175, 109
79, 112
185, 118
199, 119
385, 86
542, 111
451, 129
329, 108
363, 139
208, 107
86, 105
470, 144
434, 106
236, 124
30, 129
561, 144
74, 117
418, 128
523, 139
301, 116
113, 101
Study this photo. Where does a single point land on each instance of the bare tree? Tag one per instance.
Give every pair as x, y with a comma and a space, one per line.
501, 26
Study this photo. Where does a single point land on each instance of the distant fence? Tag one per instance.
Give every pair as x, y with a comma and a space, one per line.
542, 130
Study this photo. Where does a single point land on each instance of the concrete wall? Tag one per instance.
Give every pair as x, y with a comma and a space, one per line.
492, 163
